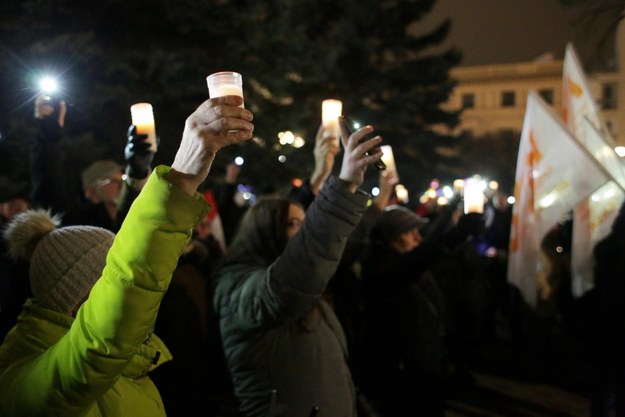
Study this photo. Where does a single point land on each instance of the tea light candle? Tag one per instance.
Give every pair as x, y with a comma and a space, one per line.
388, 158
473, 196
143, 118
331, 110
226, 90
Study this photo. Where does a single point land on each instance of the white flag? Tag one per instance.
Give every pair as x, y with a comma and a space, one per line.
593, 217
554, 173
577, 100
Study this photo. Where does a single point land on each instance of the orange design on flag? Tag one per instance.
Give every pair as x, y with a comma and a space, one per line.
574, 88
514, 240
584, 210
533, 157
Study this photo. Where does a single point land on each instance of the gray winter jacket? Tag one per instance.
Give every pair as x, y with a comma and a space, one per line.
285, 347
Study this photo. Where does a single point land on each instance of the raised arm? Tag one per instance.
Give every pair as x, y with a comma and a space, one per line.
296, 280
112, 329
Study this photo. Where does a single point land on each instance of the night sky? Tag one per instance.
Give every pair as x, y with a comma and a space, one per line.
509, 31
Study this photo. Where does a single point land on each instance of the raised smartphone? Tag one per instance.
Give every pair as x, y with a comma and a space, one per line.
353, 126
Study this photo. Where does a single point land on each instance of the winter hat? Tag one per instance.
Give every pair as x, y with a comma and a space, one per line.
394, 221
65, 262
99, 170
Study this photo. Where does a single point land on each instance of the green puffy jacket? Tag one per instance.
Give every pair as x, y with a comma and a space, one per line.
97, 364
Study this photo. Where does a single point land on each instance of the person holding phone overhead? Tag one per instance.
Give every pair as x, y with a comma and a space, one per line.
284, 346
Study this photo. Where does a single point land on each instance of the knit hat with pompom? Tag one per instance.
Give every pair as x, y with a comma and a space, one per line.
64, 262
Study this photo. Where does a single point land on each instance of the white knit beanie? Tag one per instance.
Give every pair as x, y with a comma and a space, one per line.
65, 262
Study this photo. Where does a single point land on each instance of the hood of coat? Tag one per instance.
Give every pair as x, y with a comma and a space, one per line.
40, 328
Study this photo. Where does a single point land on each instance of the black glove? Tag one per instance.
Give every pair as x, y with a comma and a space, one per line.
138, 154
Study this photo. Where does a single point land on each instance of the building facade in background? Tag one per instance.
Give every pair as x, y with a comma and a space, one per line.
494, 96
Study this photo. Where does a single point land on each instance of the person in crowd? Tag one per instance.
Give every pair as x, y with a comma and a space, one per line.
284, 346
459, 270
607, 338
188, 325
497, 221
84, 344
46, 155
14, 287
102, 183
108, 200
108, 192
496, 238
403, 366
344, 290
207, 247
544, 322
13, 201
211, 230
109, 188
231, 209
325, 150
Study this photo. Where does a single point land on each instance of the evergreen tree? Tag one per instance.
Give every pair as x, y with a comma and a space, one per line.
292, 54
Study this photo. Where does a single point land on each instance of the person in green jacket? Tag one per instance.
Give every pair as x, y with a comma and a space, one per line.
83, 344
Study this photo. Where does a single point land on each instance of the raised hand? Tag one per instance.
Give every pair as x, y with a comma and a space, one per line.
388, 179
326, 148
62, 113
355, 160
218, 122
138, 154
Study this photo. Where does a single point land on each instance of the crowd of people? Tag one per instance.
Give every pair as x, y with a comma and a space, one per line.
157, 296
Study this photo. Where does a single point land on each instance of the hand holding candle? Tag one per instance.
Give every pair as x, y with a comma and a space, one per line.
143, 118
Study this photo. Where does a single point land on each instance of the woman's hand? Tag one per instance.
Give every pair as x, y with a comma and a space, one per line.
355, 160
326, 148
388, 179
217, 123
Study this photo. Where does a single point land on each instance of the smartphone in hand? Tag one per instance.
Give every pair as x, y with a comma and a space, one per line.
353, 126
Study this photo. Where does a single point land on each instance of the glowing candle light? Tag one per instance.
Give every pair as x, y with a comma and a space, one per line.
331, 110
388, 158
143, 118
225, 83
473, 196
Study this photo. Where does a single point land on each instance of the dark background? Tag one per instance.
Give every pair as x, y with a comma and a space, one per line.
388, 61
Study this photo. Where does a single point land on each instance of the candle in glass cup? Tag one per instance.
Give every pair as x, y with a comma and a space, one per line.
143, 118
331, 110
473, 196
225, 83
388, 158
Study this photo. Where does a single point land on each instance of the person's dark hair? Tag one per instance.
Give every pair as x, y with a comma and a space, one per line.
261, 236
